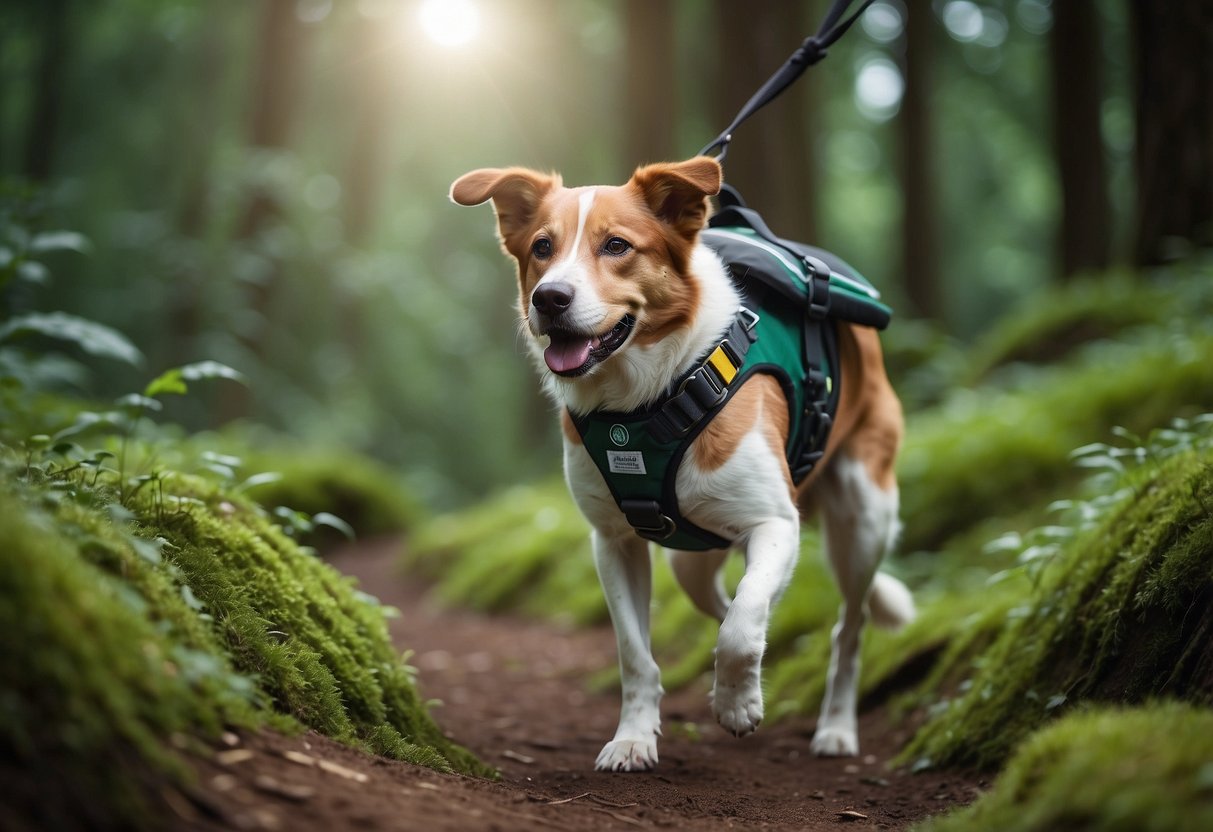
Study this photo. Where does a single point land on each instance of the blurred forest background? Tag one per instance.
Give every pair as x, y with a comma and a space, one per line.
264, 183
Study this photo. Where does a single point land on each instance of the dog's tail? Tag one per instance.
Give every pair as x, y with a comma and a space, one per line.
890, 603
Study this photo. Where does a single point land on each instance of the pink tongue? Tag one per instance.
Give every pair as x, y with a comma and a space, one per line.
563, 356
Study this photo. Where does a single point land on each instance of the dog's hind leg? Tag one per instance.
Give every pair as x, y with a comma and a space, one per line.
625, 570
860, 524
699, 575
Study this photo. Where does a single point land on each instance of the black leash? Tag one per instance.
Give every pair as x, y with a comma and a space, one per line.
810, 52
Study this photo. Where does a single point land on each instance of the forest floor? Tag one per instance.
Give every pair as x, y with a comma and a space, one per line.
514, 692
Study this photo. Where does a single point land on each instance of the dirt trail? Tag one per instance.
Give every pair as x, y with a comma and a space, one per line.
513, 691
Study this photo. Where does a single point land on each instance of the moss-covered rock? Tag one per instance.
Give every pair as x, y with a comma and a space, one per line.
1123, 613
99, 668
362, 492
180, 613
1113, 770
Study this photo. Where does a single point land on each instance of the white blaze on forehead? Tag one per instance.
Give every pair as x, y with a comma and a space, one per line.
583, 211
587, 310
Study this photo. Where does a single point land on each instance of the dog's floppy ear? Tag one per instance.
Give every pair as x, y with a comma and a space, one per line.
516, 194
677, 192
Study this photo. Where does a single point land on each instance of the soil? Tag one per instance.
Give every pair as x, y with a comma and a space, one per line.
514, 692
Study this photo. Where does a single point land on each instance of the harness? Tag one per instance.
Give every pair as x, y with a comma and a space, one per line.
792, 296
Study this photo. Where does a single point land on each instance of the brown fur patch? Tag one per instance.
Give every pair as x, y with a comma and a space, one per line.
568, 428
759, 399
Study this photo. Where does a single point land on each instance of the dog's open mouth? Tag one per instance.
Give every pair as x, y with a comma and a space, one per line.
573, 354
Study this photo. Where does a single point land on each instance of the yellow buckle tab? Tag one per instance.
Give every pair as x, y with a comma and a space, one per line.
723, 365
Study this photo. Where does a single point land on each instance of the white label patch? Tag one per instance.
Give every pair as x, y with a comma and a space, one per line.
626, 462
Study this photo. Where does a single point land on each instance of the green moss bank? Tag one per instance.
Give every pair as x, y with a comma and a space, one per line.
127, 631
1143, 770
1124, 612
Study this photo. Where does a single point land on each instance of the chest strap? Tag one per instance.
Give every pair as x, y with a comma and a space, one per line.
707, 385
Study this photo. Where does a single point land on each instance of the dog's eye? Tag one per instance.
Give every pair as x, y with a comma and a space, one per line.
616, 247
542, 248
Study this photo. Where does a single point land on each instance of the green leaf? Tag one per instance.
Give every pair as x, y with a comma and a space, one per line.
333, 522
85, 421
31, 271
167, 382
203, 370
92, 337
255, 480
59, 241
135, 404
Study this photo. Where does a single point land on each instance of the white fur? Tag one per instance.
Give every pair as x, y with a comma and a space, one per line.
745, 500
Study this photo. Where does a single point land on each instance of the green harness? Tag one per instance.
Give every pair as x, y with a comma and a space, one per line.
792, 296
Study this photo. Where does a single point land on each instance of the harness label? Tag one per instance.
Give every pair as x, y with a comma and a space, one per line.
626, 462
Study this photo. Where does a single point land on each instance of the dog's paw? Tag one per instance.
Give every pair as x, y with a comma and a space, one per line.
738, 709
628, 755
835, 742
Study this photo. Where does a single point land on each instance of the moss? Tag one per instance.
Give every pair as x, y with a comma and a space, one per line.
1048, 327
1123, 613
102, 661
319, 650
1136, 770
985, 452
359, 490
176, 615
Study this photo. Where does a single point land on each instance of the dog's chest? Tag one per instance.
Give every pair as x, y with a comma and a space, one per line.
728, 499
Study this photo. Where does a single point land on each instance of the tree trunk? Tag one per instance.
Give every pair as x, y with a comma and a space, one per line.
275, 94
42, 134
1077, 95
1174, 97
370, 89
918, 215
649, 82
210, 61
771, 160
274, 97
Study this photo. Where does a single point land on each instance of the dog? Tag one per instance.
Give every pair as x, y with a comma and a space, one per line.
619, 297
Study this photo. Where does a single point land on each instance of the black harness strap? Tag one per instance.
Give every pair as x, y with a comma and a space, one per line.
705, 387
810, 52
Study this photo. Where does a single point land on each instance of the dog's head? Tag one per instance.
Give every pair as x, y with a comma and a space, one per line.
600, 269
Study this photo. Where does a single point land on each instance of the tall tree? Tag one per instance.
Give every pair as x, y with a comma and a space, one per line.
771, 161
919, 226
370, 90
1174, 154
272, 103
47, 99
1074, 46
650, 82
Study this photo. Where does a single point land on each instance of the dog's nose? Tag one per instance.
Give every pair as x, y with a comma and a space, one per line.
552, 298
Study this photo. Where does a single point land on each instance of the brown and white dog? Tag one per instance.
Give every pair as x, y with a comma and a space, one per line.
618, 298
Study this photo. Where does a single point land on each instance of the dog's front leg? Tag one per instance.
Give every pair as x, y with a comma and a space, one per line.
770, 553
625, 570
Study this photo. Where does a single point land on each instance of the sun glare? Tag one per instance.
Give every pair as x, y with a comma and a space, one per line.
450, 22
